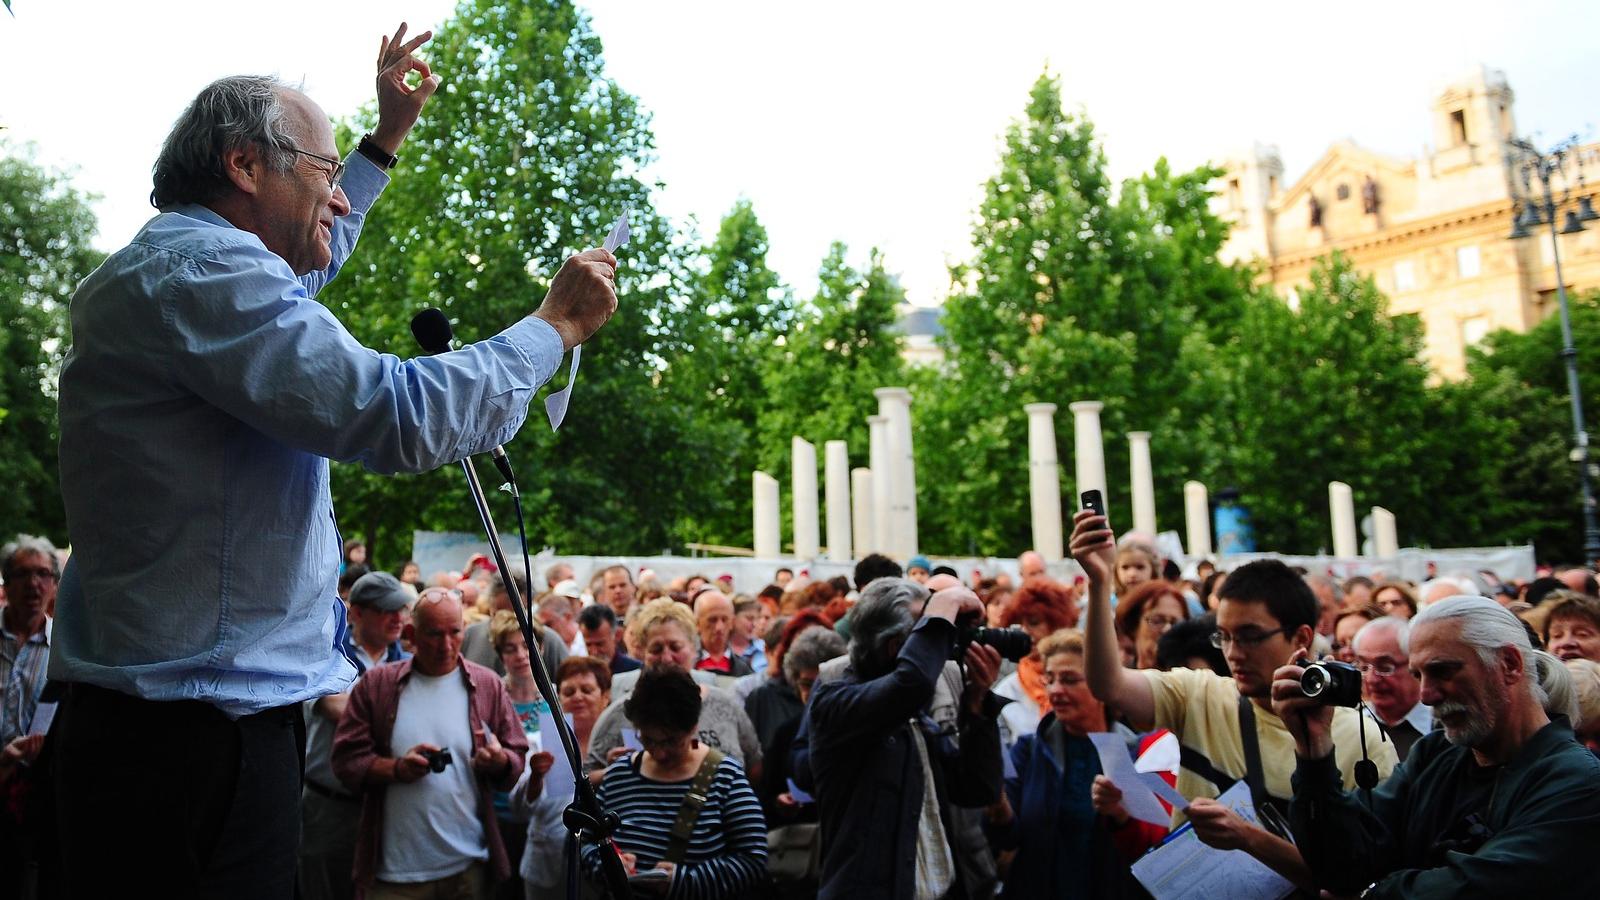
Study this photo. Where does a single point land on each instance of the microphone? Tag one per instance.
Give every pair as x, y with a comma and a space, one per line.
432, 331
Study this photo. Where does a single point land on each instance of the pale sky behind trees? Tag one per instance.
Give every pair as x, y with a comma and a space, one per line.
875, 123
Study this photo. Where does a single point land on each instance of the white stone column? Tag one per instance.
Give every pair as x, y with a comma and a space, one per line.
1142, 483
882, 485
836, 485
1197, 518
803, 502
861, 511
1044, 480
1089, 456
895, 404
767, 541
1385, 540
1342, 510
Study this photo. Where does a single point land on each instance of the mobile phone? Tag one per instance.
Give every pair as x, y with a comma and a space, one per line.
1093, 501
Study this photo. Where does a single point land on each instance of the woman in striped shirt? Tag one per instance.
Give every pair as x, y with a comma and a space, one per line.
726, 854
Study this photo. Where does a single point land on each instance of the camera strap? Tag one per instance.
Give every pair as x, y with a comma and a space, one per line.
689, 812
1267, 813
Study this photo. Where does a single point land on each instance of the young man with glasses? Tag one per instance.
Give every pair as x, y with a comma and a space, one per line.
1266, 616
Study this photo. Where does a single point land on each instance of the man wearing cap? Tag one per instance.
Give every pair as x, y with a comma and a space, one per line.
330, 815
558, 610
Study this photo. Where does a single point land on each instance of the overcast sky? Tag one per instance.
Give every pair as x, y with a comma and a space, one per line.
875, 123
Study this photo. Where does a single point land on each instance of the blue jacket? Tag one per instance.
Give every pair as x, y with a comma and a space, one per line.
1063, 849
868, 779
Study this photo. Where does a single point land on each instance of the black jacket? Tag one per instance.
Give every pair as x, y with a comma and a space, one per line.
867, 776
1539, 820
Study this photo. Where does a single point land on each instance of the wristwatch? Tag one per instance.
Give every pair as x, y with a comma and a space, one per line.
371, 151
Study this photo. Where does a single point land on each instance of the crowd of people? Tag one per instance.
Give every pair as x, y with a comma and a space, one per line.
849, 736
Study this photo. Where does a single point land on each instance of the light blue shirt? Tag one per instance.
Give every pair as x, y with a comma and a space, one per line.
203, 396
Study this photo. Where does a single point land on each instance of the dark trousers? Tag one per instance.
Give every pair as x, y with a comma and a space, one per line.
175, 799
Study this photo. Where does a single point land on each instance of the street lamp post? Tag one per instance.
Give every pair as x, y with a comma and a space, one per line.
1530, 175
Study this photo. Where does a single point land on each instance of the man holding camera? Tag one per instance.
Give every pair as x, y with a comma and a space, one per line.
1489, 806
427, 817
882, 769
1229, 733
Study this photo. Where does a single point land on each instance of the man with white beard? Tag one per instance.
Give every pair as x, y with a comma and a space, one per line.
1496, 804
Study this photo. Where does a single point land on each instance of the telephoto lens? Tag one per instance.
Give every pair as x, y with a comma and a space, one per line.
1332, 683
1012, 643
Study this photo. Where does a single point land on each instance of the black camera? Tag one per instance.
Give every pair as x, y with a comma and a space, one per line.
1013, 643
438, 759
1332, 683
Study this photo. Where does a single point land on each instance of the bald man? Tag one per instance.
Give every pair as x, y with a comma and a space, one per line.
713, 614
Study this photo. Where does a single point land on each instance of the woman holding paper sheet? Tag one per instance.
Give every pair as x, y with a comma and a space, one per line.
1063, 849
584, 684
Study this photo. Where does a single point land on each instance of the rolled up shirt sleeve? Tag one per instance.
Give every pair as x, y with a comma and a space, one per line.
246, 338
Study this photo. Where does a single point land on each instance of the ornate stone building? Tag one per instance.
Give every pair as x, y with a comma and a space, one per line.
1433, 232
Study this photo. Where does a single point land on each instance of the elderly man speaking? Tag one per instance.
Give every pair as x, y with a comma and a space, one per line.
205, 393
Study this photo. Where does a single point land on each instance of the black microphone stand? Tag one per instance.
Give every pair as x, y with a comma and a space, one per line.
584, 814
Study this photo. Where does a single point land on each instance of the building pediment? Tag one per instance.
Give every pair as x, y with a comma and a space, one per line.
1344, 163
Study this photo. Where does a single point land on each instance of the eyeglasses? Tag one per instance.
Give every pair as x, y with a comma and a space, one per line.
25, 574
1382, 669
434, 595
1160, 623
1220, 639
334, 174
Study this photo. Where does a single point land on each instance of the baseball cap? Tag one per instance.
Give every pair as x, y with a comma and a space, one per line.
380, 591
568, 589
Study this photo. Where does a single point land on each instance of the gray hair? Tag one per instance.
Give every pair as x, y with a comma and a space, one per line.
1487, 627
230, 113
1316, 579
1400, 627
881, 615
27, 543
810, 649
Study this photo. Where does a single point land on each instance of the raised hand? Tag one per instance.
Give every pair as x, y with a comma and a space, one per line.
399, 104
582, 297
538, 767
490, 759
1093, 547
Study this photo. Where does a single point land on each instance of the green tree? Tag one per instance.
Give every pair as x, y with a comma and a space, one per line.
1333, 390
526, 155
45, 232
741, 312
1073, 294
818, 382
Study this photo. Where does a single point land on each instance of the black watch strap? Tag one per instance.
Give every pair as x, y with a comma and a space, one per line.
373, 152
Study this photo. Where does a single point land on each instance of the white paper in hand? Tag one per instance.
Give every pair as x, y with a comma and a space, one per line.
555, 405
1137, 798
558, 782
630, 739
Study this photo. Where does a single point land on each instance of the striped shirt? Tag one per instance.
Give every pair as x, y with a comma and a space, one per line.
22, 672
727, 854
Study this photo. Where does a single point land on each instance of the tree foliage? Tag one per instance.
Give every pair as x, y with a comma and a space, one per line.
45, 231
1073, 294
740, 313
526, 155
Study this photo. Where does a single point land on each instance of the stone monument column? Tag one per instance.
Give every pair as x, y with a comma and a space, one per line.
894, 403
1342, 510
861, 511
767, 541
1088, 458
882, 485
1197, 518
1044, 480
836, 481
1142, 484
803, 485
1384, 538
